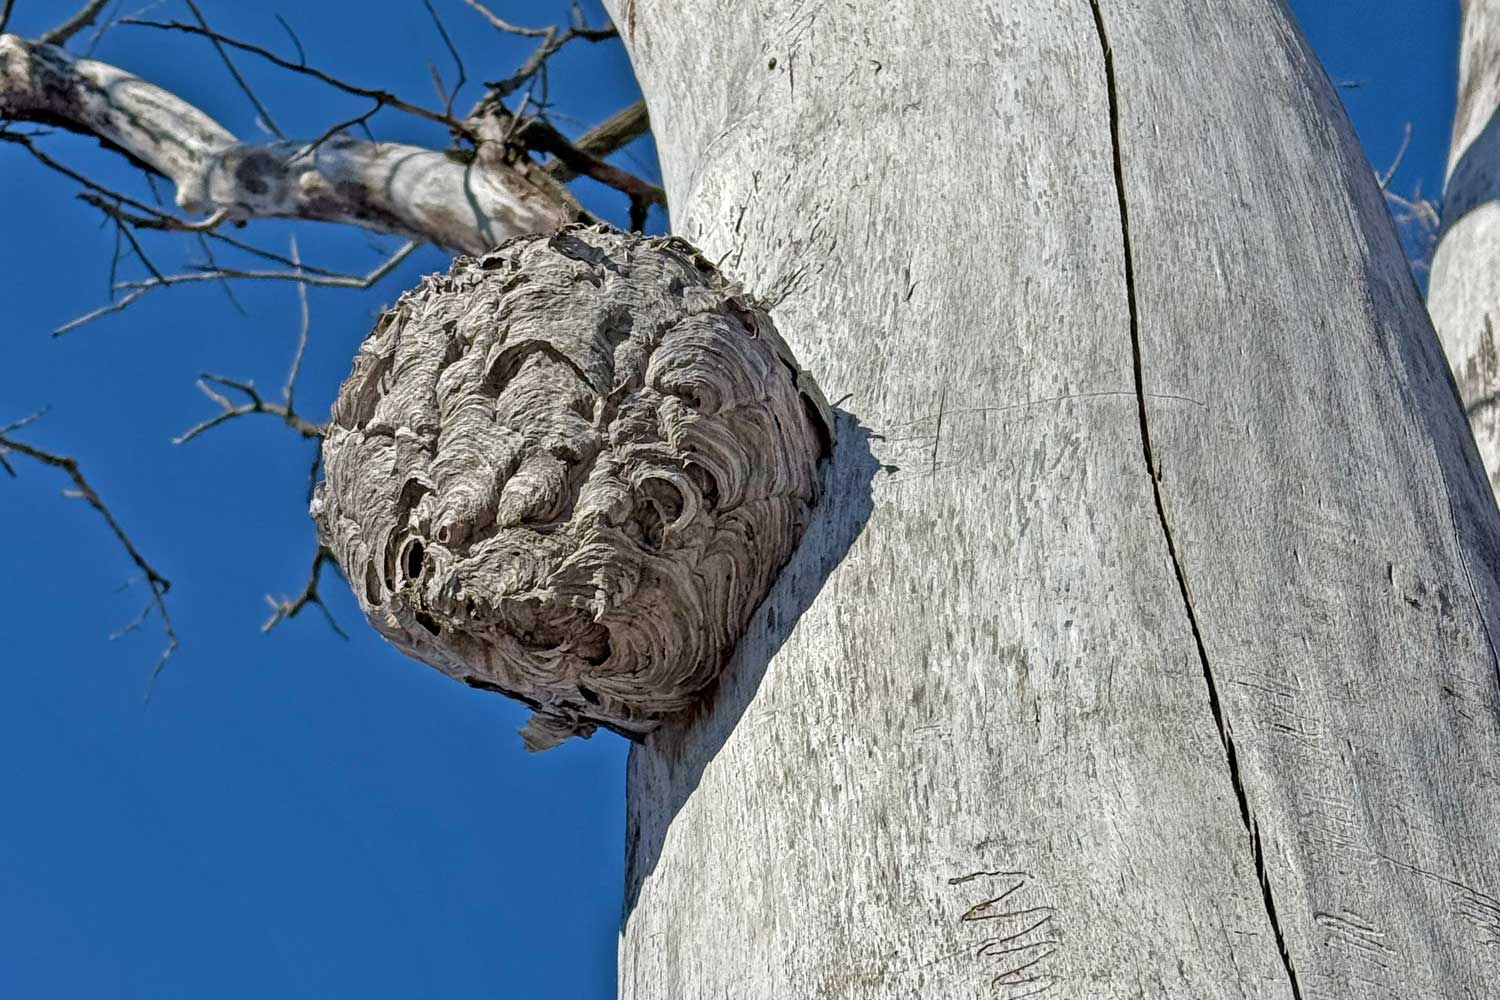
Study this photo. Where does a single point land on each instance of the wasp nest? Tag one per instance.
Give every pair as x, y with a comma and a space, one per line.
568, 471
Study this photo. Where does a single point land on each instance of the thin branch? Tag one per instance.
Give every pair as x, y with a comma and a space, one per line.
296, 365
616, 131
104, 29
5, 14
286, 411
135, 246
552, 38
304, 275
260, 109
256, 404
437, 84
538, 135
135, 289
610, 135
105, 310
301, 67
163, 220
505, 26
312, 147
296, 42
1385, 178
158, 220
73, 25
84, 491
226, 287
285, 608
25, 421
463, 76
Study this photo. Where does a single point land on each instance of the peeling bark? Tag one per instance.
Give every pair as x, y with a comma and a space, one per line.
1142, 644
457, 201
568, 470
1463, 294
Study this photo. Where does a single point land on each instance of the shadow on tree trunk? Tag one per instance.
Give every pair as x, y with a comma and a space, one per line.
667, 767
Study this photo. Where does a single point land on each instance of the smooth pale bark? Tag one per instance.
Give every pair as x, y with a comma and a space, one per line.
467, 204
1464, 288
1143, 646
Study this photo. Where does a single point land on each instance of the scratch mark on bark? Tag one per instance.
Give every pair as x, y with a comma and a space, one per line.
937, 437
960, 880
1215, 706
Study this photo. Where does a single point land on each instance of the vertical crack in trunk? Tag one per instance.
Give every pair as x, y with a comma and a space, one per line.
1252, 828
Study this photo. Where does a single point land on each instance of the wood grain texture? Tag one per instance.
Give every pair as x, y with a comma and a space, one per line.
1142, 646
1462, 294
568, 470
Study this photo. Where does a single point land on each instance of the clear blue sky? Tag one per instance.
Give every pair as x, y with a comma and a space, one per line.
296, 815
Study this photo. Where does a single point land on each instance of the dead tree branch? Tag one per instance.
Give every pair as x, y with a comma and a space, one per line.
303, 276
262, 113
82, 490
211, 385
61, 34
374, 93
615, 132
284, 607
439, 196
1416, 218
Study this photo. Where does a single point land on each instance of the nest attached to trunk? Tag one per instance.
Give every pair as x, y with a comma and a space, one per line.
568, 471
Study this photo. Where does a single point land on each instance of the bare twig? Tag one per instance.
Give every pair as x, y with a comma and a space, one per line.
256, 403
135, 246
296, 366
1385, 178
616, 131
303, 68
286, 411
538, 135
284, 608
552, 38
25, 421
505, 26
5, 14
73, 25
349, 123
305, 275
463, 76
82, 490
88, 317
224, 286
1416, 218
107, 26
157, 220
255, 102
296, 42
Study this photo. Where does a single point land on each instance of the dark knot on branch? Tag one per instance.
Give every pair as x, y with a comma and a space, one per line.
568, 471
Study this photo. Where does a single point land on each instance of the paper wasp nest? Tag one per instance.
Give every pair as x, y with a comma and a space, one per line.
568, 471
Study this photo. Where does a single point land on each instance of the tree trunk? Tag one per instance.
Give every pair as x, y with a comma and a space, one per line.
1463, 295
1143, 644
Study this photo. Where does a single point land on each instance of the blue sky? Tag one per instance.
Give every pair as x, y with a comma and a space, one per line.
296, 815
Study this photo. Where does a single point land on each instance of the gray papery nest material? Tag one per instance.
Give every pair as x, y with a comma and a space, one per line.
568, 471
